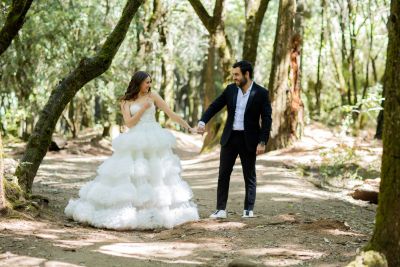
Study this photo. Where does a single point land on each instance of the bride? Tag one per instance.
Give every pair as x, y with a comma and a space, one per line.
139, 186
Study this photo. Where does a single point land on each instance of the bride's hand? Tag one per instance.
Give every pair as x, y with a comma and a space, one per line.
147, 104
192, 130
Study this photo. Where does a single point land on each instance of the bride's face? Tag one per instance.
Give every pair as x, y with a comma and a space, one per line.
145, 85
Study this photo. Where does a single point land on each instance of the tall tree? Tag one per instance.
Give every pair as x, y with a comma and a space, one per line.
14, 22
218, 43
339, 74
296, 64
318, 85
3, 205
294, 96
379, 125
254, 11
278, 80
386, 236
87, 70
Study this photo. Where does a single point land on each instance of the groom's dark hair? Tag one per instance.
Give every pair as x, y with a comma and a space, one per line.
244, 66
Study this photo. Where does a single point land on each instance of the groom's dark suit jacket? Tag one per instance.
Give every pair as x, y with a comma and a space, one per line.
258, 107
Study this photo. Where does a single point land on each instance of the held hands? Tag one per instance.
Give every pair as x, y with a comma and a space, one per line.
195, 130
192, 130
200, 129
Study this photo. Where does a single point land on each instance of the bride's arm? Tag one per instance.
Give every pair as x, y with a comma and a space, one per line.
164, 107
128, 118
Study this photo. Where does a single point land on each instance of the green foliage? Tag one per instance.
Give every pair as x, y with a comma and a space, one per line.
340, 163
364, 111
58, 34
339, 166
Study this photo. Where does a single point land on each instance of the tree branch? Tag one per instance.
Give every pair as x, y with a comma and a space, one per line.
203, 14
14, 21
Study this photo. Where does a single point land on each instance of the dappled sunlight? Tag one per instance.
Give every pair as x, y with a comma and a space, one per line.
211, 186
304, 193
59, 237
285, 203
46, 236
285, 199
205, 160
338, 232
22, 226
204, 172
9, 259
280, 262
159, 250
72, 243
59, 264
216, 225
86, 159
282, 256
284, 181
291, 251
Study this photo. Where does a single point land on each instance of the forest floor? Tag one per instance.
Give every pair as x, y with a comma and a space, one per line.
298, 222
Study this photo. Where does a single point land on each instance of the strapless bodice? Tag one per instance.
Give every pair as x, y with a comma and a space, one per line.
148, 115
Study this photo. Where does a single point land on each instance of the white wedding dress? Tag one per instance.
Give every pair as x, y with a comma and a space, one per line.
139, 186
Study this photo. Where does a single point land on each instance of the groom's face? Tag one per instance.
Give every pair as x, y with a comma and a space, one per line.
238, 77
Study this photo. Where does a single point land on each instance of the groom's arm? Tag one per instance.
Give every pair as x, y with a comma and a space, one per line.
266, 120
214, 108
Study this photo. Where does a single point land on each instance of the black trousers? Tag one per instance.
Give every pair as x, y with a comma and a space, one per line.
236, 146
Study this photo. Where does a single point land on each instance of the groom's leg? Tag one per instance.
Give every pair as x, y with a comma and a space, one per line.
248, 160
227, 159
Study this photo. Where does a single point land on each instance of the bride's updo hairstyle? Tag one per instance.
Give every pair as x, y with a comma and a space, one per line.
134, 86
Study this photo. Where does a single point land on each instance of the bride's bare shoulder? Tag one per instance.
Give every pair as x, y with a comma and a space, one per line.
154, 95
125, 103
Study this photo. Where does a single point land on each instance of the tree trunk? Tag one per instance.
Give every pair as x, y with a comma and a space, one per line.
345, 58
145, 38
167, 64
255, 11
225, 53
14, 22
370, 35
3, 204
218, 42
71, 119
338, 68
353, 44
318, 85
296, 104
87, 70
278, 80
380, 119
98, 111
386, 236
296, 66
213, 127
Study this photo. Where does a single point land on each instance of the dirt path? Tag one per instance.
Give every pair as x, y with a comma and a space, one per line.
297, 224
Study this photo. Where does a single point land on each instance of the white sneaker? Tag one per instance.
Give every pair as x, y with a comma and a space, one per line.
248, 214
218, 214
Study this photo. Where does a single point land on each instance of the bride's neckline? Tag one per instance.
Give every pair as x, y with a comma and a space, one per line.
139, 104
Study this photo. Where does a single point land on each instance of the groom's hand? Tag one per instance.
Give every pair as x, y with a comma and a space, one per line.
260, 149
201, 128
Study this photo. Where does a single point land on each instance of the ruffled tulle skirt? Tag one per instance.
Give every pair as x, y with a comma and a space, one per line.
138, 187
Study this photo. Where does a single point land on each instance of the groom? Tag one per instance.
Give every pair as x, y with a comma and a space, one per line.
245, 134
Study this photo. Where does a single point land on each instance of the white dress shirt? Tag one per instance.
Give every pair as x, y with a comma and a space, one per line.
241, 102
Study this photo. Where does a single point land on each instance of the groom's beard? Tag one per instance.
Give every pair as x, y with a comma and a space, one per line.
242, 82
